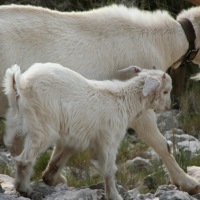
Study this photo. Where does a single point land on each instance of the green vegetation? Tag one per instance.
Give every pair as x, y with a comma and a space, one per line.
184, 162
41, 164
190, 109
128, 151
81, 171
5, 169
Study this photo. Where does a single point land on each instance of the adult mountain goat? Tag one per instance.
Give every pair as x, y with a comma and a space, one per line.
96, 44
50, 104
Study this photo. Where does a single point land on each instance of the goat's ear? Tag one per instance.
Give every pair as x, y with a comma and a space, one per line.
133, 69
151, 84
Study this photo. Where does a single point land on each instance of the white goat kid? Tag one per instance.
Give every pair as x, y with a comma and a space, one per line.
96, 44
50, 104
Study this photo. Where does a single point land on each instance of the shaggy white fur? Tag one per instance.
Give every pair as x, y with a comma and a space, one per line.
50, 104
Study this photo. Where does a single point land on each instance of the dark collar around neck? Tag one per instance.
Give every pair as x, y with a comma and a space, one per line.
191, 36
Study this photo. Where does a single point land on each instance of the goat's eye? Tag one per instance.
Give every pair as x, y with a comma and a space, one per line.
165, 92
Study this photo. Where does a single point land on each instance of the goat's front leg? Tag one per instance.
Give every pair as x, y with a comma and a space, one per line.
52, 175
22, 178
146, 127
106, 164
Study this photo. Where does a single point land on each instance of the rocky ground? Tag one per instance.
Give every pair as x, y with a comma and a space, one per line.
94, 192
169, 126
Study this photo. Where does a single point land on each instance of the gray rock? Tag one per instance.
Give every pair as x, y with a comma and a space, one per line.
6, 162
191, 148
147, 196
5, 157
100, 188
12, 197
194, 172
151, 154
125, 195
82, 194
178, 131
163, 188
60, 192
45, 190
196, 196
138, 164
175, 195
167, 120
133, 193
182, 142
177, 135
7, 184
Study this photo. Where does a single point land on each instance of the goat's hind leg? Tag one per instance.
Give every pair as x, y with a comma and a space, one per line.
52, 175
33, 146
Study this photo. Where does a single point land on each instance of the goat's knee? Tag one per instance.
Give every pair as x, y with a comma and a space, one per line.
15, 144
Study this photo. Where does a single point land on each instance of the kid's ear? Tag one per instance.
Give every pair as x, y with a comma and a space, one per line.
133, 69
151, 84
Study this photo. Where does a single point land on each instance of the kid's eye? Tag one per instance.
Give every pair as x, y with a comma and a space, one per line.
165, 92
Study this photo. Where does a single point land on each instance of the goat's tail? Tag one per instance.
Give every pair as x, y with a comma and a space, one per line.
11, 84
